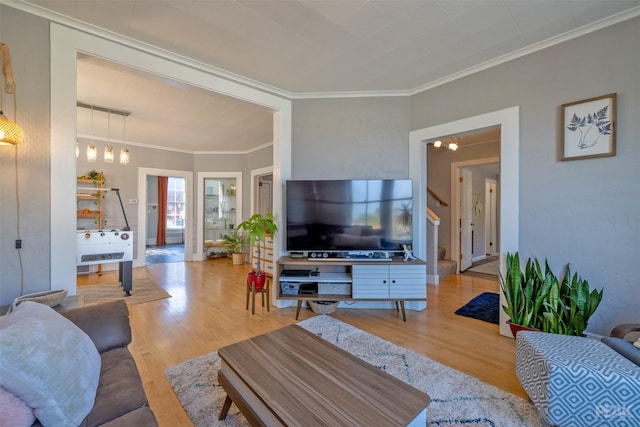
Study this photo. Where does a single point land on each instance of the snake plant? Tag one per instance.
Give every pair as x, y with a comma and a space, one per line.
541, 301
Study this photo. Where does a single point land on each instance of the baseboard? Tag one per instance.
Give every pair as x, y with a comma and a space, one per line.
433, 279
478, 258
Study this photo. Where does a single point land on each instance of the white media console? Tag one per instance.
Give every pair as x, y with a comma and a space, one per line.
348, 279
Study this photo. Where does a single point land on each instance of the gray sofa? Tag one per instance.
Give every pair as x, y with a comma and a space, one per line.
70, 368
120, 398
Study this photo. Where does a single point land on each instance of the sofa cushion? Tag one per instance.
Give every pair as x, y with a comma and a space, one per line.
141, 417
13, 411
625, 348
120, 390
49, 363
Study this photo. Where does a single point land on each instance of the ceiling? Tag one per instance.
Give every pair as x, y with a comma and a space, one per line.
303, 48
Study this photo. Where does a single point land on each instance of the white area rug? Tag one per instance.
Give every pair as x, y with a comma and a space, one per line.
488, 268
456, 398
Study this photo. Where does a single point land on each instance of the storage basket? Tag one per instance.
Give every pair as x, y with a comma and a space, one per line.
334, 288
289, 288
50, 298
323, 307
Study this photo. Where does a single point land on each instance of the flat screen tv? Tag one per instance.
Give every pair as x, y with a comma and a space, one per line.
348, 215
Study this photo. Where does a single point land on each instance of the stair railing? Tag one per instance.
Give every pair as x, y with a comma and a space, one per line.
433, 223
438, 198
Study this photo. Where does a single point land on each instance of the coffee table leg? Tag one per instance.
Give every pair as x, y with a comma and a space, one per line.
225, 408
404, 314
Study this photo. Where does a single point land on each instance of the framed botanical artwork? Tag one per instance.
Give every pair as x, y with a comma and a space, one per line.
589, 128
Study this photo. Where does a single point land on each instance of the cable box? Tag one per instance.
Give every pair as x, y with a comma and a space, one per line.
296, 273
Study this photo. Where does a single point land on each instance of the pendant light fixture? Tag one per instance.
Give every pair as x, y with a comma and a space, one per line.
108, 149
124, 152
109, 152
92, 151
10, 132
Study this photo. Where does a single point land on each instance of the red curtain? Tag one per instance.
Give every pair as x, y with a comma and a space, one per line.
163, 185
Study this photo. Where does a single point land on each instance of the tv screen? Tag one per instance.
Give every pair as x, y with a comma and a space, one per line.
348, 215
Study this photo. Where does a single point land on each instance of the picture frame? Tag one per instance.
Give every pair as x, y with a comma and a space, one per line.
588, 128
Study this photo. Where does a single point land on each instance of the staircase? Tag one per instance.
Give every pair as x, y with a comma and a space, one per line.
437, 266
446, 267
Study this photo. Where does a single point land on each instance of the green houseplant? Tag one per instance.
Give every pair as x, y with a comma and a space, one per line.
537, 300
236, 241
258, 227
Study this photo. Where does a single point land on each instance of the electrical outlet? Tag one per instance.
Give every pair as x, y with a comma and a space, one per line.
18, 244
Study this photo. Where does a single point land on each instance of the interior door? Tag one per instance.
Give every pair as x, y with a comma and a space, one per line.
491, 247
466, 226
264, 197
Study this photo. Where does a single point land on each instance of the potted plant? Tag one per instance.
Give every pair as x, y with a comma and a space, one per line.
258, 227
236, 241
537, 301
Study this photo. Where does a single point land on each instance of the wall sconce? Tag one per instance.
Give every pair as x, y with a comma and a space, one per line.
10, 132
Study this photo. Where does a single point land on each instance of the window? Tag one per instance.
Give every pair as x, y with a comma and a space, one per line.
175, 202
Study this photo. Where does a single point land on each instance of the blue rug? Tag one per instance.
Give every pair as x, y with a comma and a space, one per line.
484, 307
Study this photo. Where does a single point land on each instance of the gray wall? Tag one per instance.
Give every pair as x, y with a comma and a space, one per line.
350, 138
125, 178
583, 212
30, 61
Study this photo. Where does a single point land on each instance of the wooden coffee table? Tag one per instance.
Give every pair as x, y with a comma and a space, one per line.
291, 377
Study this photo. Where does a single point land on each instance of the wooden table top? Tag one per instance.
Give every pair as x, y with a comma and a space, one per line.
304, 378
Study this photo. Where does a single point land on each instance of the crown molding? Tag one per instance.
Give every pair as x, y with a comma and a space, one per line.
96, 31
578, 32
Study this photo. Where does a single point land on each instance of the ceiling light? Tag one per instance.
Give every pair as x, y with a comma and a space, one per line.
10, 132
452, 144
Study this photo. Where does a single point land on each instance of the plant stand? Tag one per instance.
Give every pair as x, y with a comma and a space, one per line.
253, 289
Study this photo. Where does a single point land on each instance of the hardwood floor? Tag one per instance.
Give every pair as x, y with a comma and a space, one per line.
207, 311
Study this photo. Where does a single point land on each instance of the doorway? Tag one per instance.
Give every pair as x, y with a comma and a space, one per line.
475, 223
166, 219
509, 121
219, 210
145, 205
262, 190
